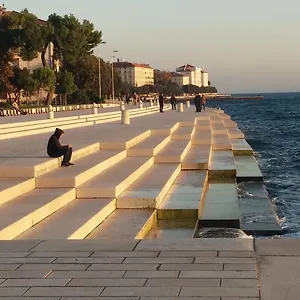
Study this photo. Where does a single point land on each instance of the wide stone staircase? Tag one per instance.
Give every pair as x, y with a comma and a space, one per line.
187, 170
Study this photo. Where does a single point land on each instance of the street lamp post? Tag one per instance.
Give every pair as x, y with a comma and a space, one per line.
112, 74
99, 66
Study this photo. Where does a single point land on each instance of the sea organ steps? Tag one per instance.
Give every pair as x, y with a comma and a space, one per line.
89, 221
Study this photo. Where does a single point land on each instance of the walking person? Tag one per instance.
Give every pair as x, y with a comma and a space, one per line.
203, 102
173, 102
161, 99
55, 149
198, 103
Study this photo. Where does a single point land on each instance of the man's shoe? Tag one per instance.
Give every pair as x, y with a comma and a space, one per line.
71, 164
65, 165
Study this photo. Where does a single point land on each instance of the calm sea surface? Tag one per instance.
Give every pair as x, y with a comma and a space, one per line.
271, 127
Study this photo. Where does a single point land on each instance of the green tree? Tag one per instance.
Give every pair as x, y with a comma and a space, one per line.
65, 84
45, 79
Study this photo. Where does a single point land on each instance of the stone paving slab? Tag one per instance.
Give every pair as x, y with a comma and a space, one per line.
277, 247
196, 245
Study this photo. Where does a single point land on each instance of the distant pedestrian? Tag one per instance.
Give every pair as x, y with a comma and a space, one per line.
198, 103
203, 102
55, 149
161, 99
173, 102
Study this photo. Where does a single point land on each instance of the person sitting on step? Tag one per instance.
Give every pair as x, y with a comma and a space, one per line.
55, 149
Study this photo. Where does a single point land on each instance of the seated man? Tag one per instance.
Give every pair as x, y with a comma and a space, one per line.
55, 149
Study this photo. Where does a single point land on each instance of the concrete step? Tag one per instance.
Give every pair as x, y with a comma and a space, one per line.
183, 133
229, 124
150, 146
122, 223
183, 199
74, 221
37, 166
258, 214
174, 152
197, 158
84, 169
218, 128
222, 165
247, 169
202, 137
126, 141
112, 182
11, 188
25, 211
220, 207
221, 142
149, 190
235, 133
241, 147
203, 124
165, 129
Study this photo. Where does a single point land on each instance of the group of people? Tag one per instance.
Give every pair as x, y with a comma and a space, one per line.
55, 149
200, 102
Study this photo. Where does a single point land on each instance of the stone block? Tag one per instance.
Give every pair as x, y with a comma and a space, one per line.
225, 260
183, 282
35, 282
141, 291
191, 267
125, 254
97, 282
239, 267
218, 274
250, 283
221, 292
151, 274
158, 260
63, 291
188, 253
124, 267
85, 274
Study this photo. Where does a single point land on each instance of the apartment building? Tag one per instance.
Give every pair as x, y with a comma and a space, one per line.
135, 74
180, 79
195, 74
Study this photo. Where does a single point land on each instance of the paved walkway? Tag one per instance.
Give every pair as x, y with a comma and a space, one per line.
183, 269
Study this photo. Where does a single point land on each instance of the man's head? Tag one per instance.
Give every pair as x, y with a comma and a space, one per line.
58, 132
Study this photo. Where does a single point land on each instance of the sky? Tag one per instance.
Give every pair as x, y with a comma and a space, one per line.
245, 46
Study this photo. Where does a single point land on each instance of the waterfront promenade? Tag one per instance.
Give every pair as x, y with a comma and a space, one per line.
180, 269
85, 232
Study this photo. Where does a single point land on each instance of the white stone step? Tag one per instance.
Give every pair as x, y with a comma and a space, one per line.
25, 211
37, 166
123, 224
149, 190
112, 182
74, 221
235, 133
222, 165
218, 128
174, 152
197, 158
221, 142
183, 199
241, 147
229, 124
11, 188
165, 129
202, 137
203, 124
183, 133
247, 169
127, 140
150, 146
84, 169
220, 206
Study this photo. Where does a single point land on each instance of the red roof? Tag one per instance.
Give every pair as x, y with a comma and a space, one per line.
127, 64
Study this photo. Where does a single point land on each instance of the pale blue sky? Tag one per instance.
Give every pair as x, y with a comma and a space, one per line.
246, 46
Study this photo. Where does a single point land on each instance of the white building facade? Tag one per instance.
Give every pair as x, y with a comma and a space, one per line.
195, 74
180, 79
